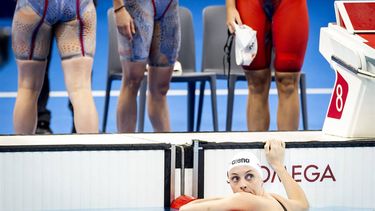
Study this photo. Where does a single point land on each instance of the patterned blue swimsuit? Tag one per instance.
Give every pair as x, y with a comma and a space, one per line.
158, 33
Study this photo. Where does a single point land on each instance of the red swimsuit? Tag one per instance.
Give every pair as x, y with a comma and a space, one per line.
282, 24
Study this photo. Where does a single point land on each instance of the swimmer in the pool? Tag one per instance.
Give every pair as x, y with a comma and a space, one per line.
245, 179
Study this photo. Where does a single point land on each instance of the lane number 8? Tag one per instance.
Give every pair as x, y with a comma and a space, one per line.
339, 101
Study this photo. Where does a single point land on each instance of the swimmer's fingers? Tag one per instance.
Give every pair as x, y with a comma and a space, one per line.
231, 27
233, 17
276, 143
122, 30
279, 143
129, 27
267, 147
275, 152
283, 144
132, 27
125, 24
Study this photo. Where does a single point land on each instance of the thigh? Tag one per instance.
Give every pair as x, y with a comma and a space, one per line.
31, 35
166, 38
252, 14
290, 34
77, 37
137, 49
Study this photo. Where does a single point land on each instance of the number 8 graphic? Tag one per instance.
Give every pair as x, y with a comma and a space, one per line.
339, 102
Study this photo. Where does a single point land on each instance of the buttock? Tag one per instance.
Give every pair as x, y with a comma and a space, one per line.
56, 10
158, 33
32, 33
282, 26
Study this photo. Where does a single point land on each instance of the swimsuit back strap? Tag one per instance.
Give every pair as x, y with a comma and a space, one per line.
281, 204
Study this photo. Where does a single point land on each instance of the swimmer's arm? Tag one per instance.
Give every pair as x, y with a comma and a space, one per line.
232, 15
204, 200
296, 195
124, 21
275, 156
230, 3
237, 201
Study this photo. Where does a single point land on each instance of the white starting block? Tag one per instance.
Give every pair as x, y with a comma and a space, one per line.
348, 46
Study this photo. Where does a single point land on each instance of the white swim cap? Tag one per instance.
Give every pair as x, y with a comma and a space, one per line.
245, 159
246, 44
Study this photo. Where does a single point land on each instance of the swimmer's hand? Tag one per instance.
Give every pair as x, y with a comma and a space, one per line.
125, 23
297, 200
275, 152
233, 17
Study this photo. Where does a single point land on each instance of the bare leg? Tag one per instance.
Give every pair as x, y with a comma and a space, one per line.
258, 114
132, 75
30, 81
77, 73
159, 78
76, 42
30, 46
288, 107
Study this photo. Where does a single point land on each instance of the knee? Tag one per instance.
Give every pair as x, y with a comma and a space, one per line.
258, 83
132, 82
33, 86
287, 83
160, 89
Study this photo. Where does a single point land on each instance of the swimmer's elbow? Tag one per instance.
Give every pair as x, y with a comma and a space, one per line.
189, 207
301, 205
305, 206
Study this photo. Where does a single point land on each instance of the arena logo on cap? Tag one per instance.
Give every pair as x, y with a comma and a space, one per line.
240, 160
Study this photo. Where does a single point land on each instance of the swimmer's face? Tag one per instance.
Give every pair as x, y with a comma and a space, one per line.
245, 179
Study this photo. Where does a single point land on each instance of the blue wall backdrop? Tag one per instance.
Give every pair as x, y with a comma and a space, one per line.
319, 78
